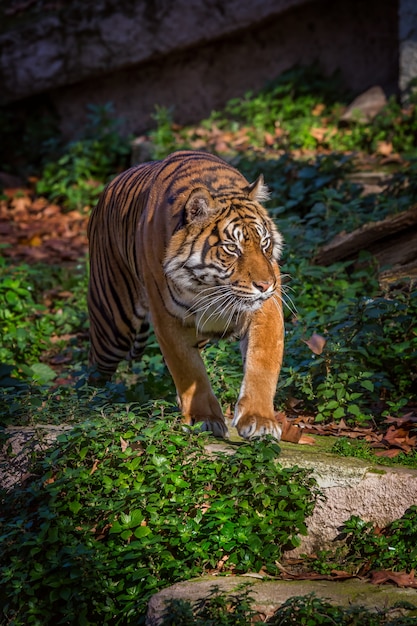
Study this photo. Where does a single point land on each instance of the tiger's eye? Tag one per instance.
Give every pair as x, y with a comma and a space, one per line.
233, 248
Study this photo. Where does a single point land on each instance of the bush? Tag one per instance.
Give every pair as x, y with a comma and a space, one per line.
79, 175
27, 324
129, 503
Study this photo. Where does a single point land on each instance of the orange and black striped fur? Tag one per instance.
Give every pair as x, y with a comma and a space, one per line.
186, 244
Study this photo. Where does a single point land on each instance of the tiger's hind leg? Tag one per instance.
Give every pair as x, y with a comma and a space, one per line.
139, 343
119, 345
119, 328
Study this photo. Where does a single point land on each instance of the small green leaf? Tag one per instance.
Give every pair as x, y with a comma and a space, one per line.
42, 373
354, 409
339, 413
368, 384
74, 506
142, 531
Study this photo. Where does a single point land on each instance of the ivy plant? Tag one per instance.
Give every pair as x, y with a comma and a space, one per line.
131, 502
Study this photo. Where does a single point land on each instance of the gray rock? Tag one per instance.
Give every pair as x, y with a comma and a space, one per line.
365, 106
269, 595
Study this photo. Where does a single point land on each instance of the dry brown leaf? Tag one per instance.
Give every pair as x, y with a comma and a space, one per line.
20, 205
51, 210
389, 454
318, 133
318, 109
307, 440
409, 418
221, 563
95, 466
59, 359
316, 343
269, 139
402, 579
221, 146
384, 147
291, 432
35, 241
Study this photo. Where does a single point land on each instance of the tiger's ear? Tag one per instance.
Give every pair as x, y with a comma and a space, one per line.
258, 190
199, 206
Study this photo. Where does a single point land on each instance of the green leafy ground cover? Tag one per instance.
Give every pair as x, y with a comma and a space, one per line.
128, 503
393, 548
86, 540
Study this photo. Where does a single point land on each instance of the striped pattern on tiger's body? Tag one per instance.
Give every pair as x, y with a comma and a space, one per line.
185, 243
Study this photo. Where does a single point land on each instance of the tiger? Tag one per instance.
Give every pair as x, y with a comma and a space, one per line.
185, 244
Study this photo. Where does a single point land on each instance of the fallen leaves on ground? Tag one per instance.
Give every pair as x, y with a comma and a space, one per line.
401, 579
295, 569
291, 432
398, 435
37, 230
401, 435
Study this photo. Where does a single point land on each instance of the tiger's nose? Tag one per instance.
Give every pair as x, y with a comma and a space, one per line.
262, 285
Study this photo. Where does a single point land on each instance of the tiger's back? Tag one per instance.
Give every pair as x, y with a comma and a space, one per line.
186, 242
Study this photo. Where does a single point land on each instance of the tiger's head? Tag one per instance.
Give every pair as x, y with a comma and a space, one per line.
222, 261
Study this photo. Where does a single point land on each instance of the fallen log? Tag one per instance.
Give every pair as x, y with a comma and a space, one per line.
392, 241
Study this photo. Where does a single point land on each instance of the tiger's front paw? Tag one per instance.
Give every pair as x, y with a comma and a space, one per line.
250, 426
213, 424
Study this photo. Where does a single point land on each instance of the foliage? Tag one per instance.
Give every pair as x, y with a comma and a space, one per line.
235, 609
312, 611
224, 366
288, 108
367, 547
129, 503
217, 608
393, 548
317, 195
27, 324
361, 450
77, 178
371, 344
162, 136
300, 110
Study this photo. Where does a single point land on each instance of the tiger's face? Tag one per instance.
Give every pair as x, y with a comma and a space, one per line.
222, 264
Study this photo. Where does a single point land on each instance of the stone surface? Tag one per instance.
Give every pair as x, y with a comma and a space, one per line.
190, 57
365, 106
269, 595
407, 29
82, 40
22, 443
350, 486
